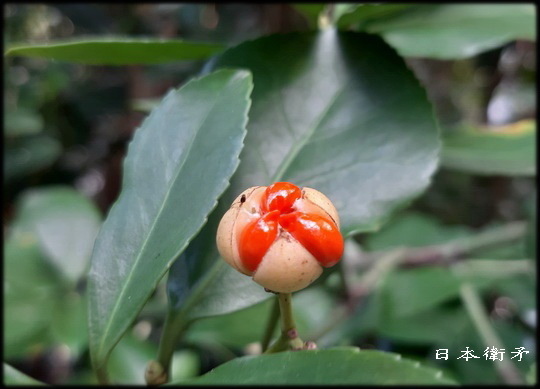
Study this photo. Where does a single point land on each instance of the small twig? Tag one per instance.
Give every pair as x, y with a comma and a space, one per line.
444, 254
371, 278
456, 249
507, 370
101, 373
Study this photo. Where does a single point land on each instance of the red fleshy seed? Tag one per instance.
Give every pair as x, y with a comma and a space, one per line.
319, 235
280, 196
256, 239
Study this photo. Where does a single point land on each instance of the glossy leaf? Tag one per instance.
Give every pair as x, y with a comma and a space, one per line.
453, 31
326, 114
14, 377
119, 51
351, 14
320, 367
506, 150
177, 165
66, 224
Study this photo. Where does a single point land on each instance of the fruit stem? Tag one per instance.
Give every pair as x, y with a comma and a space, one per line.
288, 339
285, 308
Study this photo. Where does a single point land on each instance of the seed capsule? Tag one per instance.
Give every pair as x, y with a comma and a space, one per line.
281, 235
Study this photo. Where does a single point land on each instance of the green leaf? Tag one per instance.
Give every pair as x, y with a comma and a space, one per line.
454, 31
413, 229
14, 377
323, 367
507, 150
329, 118
69, 323
40, 308
31, 291
311, 306
432, 326
360, 13
119, 51
479, 371
177, 165
65, 223
326, 114
236, 329
531, 375
29, 154
310, 11
412, 291
415, 290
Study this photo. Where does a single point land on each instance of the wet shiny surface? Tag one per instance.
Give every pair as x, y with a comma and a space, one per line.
257, 238
319, 235
280, 196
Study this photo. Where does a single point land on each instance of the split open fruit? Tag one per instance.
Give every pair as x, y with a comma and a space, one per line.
281, 235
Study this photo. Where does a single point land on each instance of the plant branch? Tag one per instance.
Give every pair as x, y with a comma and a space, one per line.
444, 254
367, 283
507, 370
101, 373
449, 252
158, 372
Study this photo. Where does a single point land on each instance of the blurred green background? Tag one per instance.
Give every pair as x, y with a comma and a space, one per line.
66, 127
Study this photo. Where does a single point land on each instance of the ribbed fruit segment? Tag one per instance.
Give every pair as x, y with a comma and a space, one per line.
319, 235
280, 196
256, 239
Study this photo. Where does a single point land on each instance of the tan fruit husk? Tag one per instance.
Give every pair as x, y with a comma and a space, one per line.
287, 266
314, 202
234, 221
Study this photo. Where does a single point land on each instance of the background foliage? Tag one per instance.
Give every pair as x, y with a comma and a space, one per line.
416, 120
